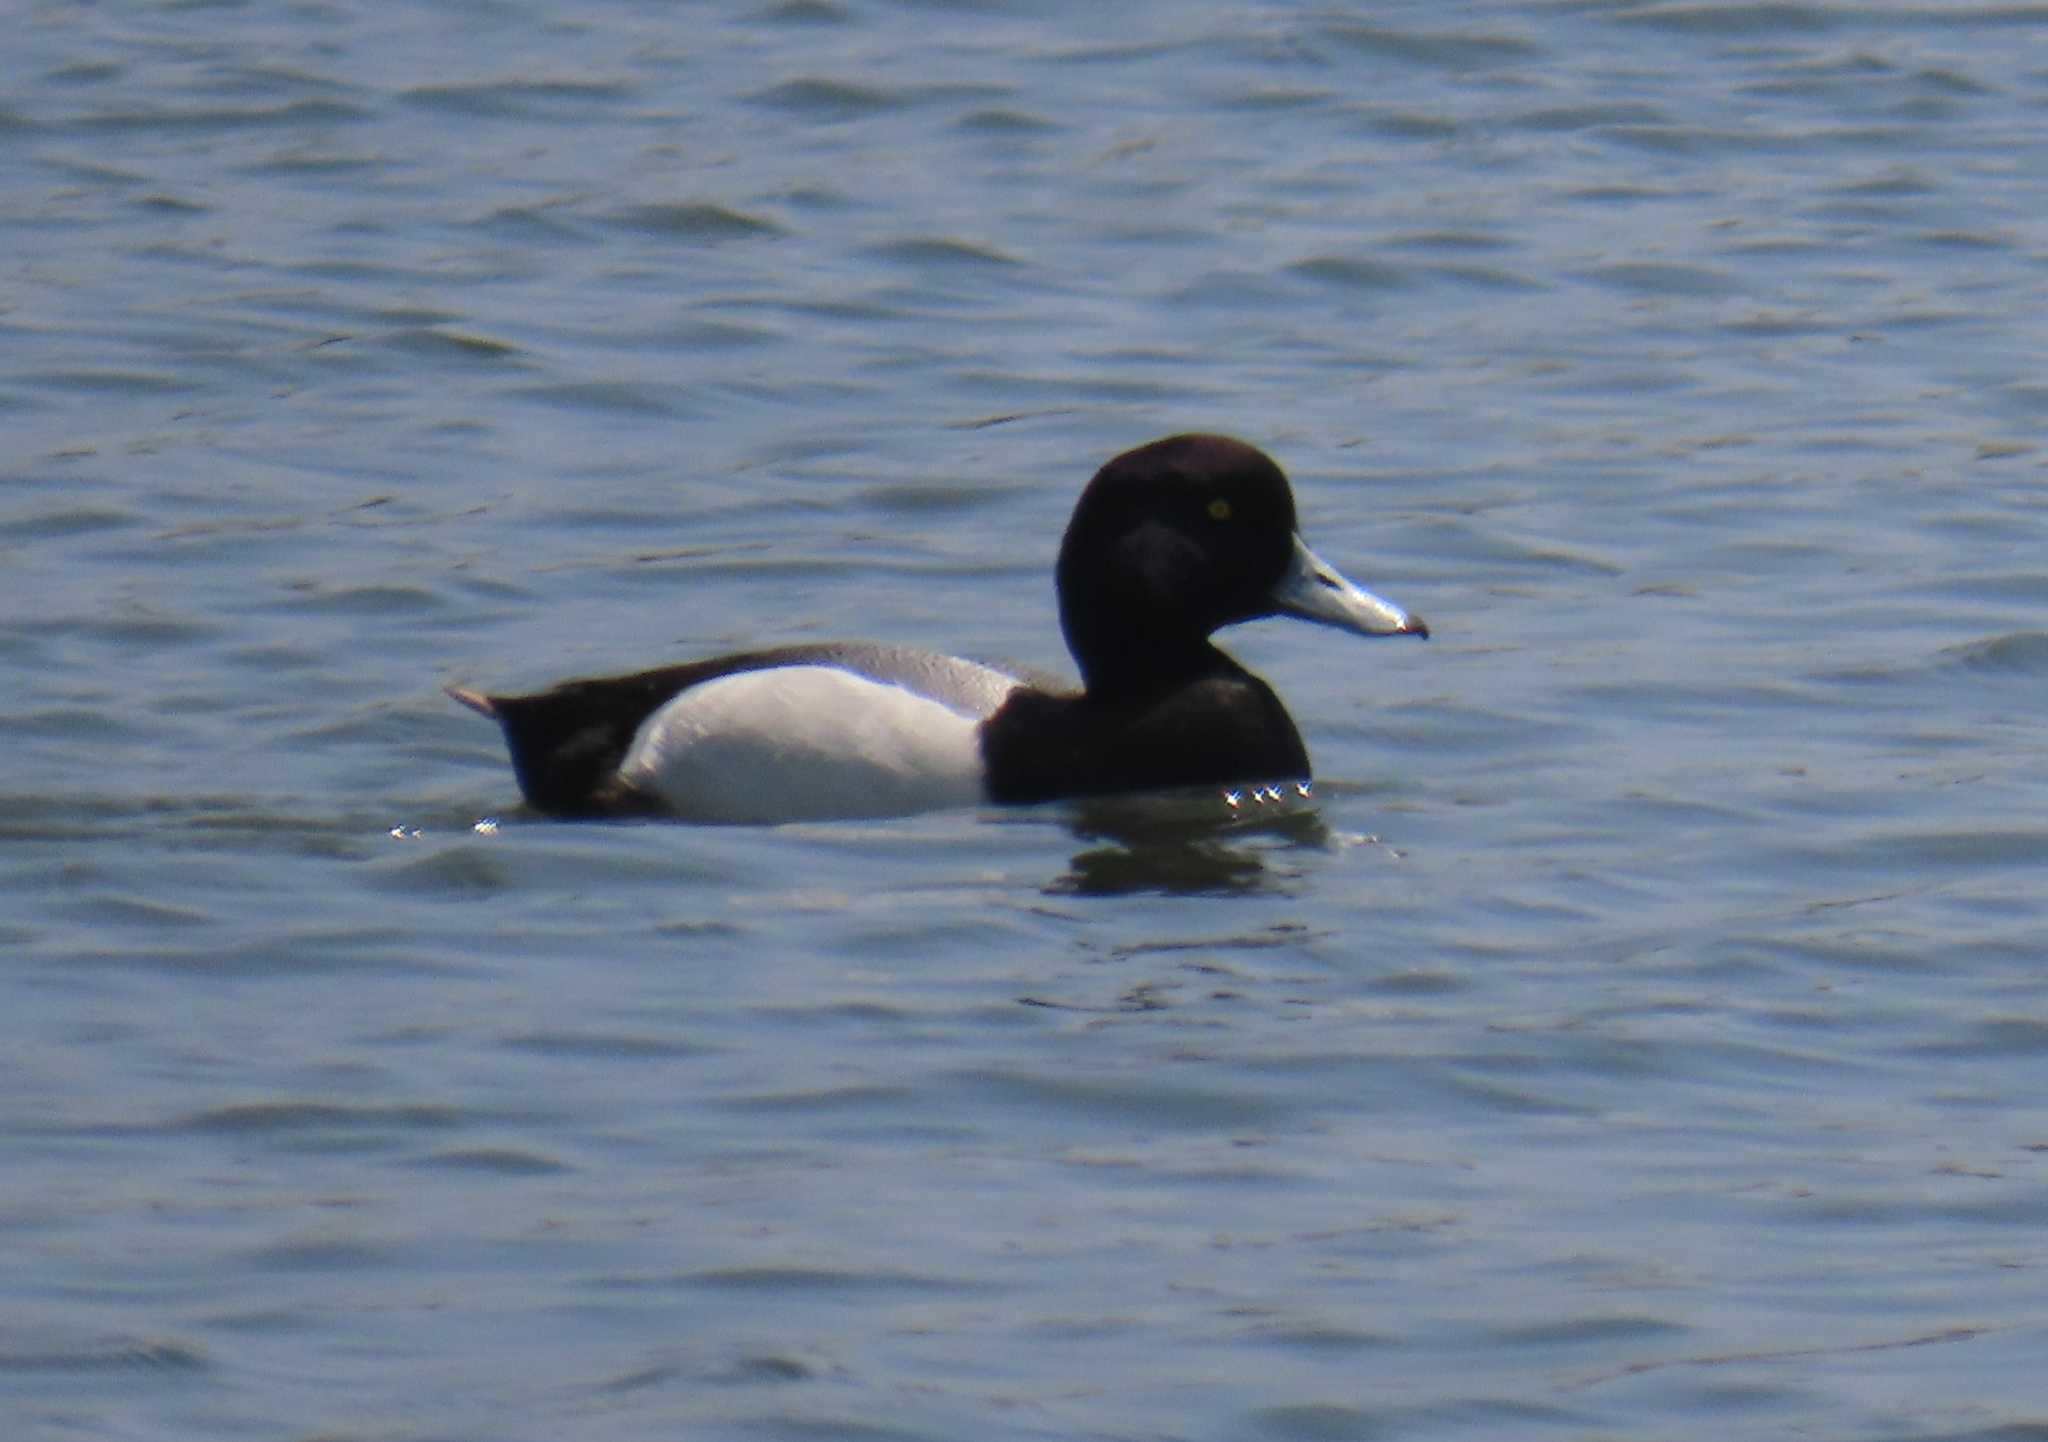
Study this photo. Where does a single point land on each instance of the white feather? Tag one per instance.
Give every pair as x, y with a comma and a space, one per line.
812, 743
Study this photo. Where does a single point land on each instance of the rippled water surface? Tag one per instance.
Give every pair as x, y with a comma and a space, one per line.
1644, 1033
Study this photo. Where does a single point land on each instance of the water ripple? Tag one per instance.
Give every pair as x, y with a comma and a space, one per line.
51, 1346
522, 98
2022, 652
696, 221
821, 98
1447, 49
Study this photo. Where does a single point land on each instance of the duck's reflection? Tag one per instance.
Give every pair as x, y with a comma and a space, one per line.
1198, 841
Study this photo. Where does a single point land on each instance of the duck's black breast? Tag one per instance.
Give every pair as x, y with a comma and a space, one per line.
1221, 726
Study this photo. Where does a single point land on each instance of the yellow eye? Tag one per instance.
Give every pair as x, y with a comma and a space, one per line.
1219, 509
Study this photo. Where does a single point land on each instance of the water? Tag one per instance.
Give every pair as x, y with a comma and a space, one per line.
1641, 1035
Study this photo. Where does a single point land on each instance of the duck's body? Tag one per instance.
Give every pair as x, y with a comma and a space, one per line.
822, 731
1168, 543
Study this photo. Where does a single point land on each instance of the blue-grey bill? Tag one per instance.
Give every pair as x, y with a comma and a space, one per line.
1315, 590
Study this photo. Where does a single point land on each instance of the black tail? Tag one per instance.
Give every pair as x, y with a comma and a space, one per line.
567, 743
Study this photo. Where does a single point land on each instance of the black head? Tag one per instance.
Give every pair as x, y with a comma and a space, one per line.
1175, 539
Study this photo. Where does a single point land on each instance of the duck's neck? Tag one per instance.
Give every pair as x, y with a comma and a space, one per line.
1114, 668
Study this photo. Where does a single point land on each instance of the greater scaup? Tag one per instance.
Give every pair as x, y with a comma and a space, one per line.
1168, 543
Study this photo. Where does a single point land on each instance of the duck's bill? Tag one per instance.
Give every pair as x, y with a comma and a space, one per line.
1315, 590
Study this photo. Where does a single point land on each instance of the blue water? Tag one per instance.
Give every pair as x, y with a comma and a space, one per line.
1643, 1034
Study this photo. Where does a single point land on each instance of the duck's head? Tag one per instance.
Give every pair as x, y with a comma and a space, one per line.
1178, 538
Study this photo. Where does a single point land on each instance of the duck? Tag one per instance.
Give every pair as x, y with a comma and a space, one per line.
1168, 543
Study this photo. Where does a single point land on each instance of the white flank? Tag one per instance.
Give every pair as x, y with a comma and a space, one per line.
805, 743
